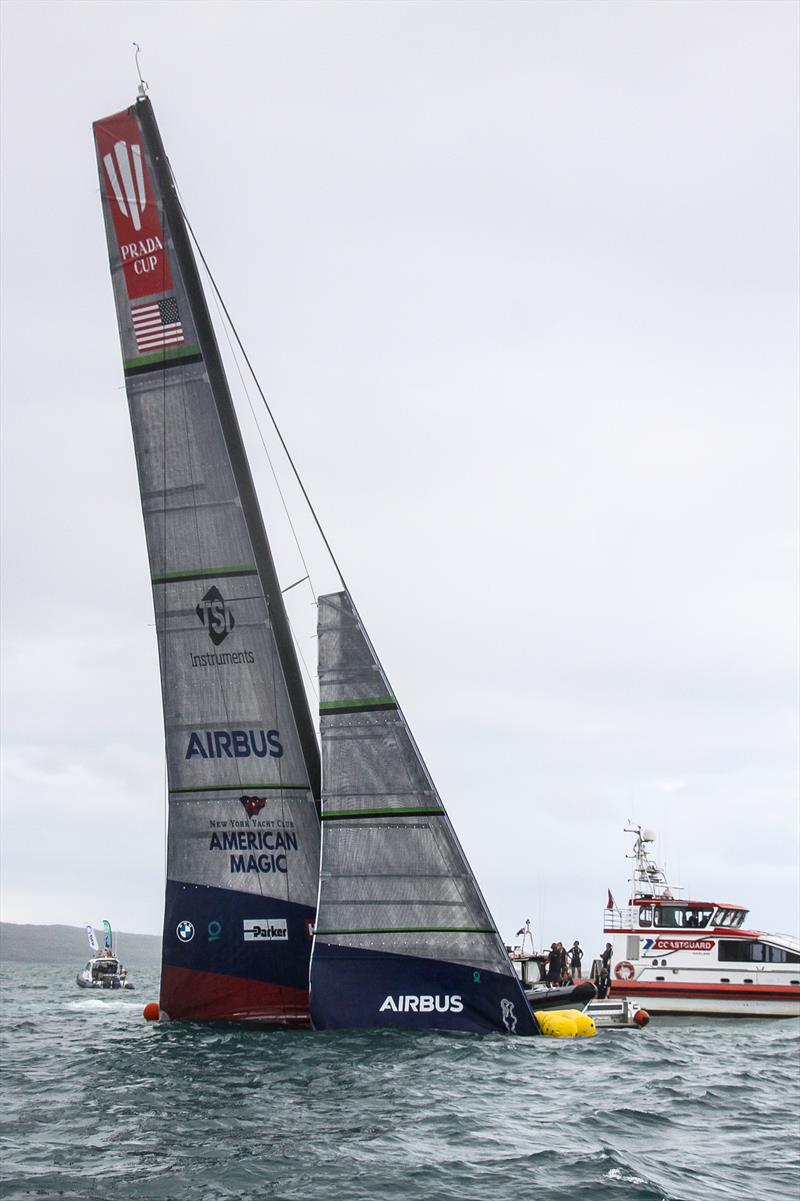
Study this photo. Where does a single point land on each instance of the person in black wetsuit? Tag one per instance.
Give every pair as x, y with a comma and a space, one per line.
604, 979
554, 966
575, 957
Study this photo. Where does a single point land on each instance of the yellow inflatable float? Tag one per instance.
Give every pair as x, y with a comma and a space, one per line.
565, 1023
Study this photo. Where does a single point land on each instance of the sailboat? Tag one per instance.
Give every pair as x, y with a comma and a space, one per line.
301, 889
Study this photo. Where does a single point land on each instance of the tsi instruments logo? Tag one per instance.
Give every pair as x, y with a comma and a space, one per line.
265, 929
215, 616
425, 1004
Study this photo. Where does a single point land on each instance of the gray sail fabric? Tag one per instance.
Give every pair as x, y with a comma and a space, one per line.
393, 876
221, 676
241, 815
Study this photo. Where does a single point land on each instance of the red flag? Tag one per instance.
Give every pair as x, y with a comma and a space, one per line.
522, 931
610, 904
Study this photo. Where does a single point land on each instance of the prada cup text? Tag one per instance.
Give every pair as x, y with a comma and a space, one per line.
142, 254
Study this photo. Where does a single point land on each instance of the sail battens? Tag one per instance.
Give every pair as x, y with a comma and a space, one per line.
395, 875
244, 788
357, 705
329, 815
410, 930
193, 505
203, 573
177, 356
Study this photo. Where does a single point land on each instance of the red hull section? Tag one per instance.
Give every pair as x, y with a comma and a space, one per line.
737, 992
192, 996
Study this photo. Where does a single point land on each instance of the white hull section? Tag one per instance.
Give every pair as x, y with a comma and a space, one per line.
720, 1006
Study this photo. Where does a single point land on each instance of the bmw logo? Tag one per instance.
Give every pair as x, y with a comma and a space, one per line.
185, 931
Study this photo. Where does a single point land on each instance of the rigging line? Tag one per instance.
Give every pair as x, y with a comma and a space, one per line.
250, 368
263, 442
219, 303
309, 676
294, 585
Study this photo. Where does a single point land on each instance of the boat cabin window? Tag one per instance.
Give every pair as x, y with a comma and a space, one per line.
743, 951
668, 915
682, 917
730, 917
645, 915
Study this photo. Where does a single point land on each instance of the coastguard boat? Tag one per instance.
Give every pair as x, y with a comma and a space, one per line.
695, 957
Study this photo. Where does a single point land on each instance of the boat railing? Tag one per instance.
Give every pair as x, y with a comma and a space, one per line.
619, 919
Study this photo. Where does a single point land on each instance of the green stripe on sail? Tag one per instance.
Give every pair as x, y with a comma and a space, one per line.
247, 787
412, 930
419, 811
366, 702
161, 357
204, 573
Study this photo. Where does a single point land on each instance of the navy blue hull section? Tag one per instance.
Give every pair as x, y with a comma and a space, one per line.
237, 934
353, 989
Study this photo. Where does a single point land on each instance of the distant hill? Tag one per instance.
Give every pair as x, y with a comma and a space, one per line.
67, 944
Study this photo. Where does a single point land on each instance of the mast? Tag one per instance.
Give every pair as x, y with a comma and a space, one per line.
209, 348
243, 764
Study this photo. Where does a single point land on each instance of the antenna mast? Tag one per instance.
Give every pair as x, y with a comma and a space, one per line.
143, 84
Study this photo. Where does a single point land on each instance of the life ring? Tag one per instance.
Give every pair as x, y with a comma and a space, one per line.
624, 970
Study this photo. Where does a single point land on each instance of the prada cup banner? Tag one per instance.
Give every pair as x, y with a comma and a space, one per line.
137, 222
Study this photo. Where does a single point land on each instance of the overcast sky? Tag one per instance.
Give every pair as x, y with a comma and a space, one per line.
521, 282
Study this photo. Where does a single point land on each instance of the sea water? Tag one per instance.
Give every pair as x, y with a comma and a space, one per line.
99, 1104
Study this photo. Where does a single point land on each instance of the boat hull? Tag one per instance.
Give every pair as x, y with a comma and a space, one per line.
722, 1000
94, 987
573, 996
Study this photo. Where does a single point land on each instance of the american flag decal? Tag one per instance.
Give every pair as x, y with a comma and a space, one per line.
157, 325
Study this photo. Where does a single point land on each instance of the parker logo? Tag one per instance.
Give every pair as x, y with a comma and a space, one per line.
252, 804
265, 929
127, 181
214, 615
422, 1004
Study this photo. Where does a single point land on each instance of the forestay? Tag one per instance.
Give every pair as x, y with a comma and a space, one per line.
243, 846
403, 934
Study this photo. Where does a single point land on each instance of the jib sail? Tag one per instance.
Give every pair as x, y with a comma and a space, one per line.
403, 935
243, 762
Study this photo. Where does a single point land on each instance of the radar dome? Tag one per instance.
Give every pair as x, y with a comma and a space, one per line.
648, 835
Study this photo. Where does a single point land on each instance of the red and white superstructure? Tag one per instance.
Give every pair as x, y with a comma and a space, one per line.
696, 957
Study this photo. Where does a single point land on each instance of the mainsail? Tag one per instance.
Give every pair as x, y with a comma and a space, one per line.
242, 756
403, 935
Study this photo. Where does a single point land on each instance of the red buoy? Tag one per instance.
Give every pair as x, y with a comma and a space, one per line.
641, 1018
150, 1012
